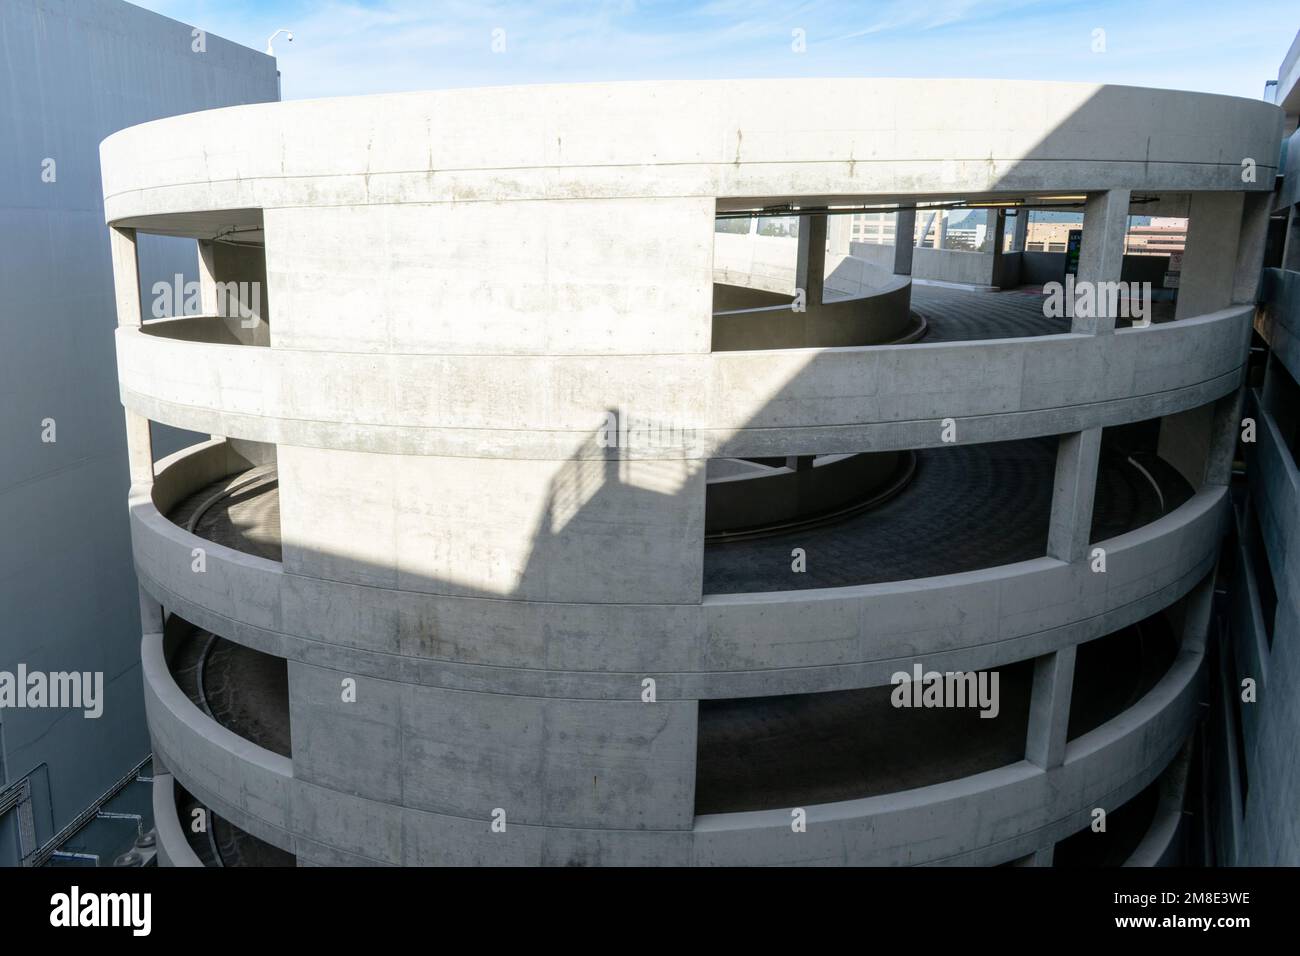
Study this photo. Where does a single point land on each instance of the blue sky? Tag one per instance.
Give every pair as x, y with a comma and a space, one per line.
370, 46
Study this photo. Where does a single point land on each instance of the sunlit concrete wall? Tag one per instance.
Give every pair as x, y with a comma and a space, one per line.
462, 285
76, 71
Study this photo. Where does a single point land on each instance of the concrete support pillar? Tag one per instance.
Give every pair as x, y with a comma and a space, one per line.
839, 234
1250, 247
995, 232
995, 229
1224, 431
1045, 856
904, 241
810, 272
126, 275
1196, 616
151, 615
1021, 235
139, 449
1049, 708
1208, 280
207, 278
1101, 257
1077, 455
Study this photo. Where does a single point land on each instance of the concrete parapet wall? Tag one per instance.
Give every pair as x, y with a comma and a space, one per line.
739, 404
726, 646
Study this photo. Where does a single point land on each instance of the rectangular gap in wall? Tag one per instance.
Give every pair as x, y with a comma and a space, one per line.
839, 520
167, 440
1114, 672
1126, 825
1143, 469
765, 753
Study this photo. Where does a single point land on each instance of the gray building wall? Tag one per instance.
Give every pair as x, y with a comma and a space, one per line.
74, 72
1253, 798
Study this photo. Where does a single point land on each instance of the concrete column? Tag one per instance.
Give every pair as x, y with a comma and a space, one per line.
839, 232
1073, 491
1049, 708
139, 449
151, 616
1223, 439
1196, 616
207, 278
1101, 257
126, 275
1021, 235
1184, 442
810, 272
1250, 247
904, 241
1214, 226
995, 230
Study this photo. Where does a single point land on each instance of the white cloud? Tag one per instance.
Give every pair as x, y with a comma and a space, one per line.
366, 46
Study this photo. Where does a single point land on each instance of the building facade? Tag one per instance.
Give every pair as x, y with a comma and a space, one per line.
522, 539
74, 72
1252, 793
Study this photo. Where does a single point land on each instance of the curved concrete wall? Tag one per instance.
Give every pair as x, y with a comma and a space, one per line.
984, 819
466, 285
769, 498
734, 645
173, 848
740, 404
708, 140
880, 317
239, 780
